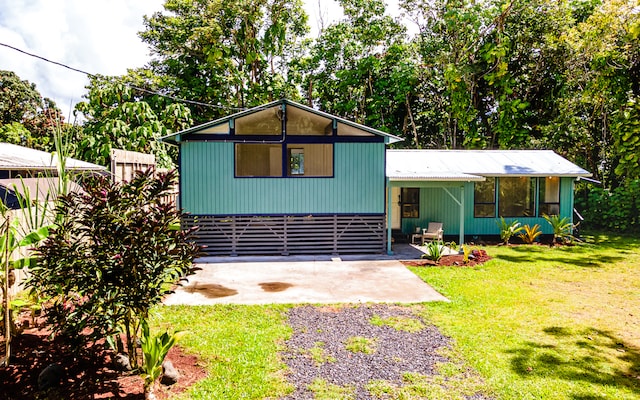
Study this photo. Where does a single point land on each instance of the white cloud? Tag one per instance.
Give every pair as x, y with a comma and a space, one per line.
97, 36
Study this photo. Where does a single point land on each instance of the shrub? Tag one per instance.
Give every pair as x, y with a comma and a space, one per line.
508, 229
111, 256
530, 233
435, 251
562, 227
614, 210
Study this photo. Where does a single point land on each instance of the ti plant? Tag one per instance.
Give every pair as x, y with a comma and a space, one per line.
154, 351
466, 250
508, 229
530, 233
562, 228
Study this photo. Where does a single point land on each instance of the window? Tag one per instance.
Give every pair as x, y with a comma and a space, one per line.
516, 197
258, 159
549, 196
266, 160
410, 199
484, 199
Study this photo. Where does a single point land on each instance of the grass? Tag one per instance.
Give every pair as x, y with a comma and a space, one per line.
319, 355
548, 323
400, 323
359, 344
535, 323
238, 346
324, 390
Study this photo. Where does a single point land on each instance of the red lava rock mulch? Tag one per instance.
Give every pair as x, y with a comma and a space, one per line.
87, 377
480, 257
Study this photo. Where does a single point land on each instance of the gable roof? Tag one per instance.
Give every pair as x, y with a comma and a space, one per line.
474, 165
175, 138
14, 157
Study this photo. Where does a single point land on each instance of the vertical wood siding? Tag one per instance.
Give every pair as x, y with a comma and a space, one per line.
209, 186
437, 205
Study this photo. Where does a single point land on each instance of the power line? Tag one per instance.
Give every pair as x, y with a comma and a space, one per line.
89, 74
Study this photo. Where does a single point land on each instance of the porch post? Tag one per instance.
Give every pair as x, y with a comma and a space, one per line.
461, 238
389, 251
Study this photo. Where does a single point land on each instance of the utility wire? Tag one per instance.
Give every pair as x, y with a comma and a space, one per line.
90, 75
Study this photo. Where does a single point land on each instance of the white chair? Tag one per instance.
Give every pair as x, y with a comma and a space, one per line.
432, 232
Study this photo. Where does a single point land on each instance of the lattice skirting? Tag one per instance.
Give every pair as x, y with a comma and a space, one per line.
289, 234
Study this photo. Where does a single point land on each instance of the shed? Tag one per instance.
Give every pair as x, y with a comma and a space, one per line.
467, 190
284, 178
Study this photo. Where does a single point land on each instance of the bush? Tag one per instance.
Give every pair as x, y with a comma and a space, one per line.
111, 257
612, 210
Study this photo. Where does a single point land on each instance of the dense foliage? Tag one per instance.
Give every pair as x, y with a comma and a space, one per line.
111, 257
26, 118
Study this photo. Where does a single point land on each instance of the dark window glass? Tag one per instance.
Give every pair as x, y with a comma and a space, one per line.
516, 197
484, 199
410, 202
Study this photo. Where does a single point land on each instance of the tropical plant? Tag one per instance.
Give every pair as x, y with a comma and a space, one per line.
10, 242
123, 246
562, 228
530, 233
466, 251
434, 251
154, 350
508, 229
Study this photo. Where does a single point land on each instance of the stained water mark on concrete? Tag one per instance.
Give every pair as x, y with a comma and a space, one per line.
275, 286
211, 290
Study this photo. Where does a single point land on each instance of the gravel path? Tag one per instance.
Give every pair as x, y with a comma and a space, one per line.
329, 328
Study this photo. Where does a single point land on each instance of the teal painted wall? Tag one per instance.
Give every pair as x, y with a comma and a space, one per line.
208, 185
437, 205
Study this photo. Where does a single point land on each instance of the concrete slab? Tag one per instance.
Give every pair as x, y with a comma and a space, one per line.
294, 282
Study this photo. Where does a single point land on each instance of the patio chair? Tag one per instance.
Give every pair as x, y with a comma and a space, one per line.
432, 232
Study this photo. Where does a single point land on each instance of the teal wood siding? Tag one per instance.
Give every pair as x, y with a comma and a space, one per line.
209, 187
436, 205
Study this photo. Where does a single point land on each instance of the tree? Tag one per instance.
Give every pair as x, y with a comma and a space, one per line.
26, 118
117, 118
224, 53
111, 257
362, 69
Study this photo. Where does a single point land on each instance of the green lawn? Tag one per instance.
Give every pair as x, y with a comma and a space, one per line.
548, 323
535, 322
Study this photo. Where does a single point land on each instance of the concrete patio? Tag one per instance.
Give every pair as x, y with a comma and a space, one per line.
295, 280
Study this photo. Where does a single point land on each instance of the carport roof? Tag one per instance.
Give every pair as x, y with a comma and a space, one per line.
474, 165
14, 157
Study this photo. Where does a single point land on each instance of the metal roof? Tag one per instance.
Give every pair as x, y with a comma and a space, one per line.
174, 138
474, 165
14, 157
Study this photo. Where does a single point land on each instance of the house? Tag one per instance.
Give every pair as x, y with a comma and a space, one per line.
285, 178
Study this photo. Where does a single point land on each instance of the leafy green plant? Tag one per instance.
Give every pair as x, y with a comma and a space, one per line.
508, 229
434, 251
562, 227
530, 233
10, 242
154, 351
123, 247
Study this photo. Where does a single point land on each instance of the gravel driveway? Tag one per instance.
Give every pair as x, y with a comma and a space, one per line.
318, 357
